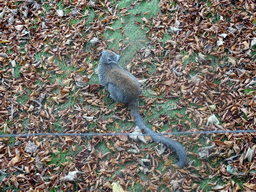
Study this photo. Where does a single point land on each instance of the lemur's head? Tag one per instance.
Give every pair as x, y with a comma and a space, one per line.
109, 57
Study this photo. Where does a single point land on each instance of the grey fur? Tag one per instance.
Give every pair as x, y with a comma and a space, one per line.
124, 87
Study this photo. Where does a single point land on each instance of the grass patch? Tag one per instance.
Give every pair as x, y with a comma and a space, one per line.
135, 35
57, 126
59, 158
17, 71
74, 21
103, 147
12, 140
204, 184
249, 91
47, 7
25, 123
23, 98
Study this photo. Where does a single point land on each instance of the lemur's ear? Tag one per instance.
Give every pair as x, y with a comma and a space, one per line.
118, 57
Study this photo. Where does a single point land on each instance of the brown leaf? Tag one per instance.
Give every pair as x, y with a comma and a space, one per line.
107, 185
4, 41
166, 179
145, 20
147, 12
176, 184
50, 59
219, 142
249, 186
123, 10
152, 187
15, 160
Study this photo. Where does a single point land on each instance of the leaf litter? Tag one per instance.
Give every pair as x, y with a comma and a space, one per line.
217, 88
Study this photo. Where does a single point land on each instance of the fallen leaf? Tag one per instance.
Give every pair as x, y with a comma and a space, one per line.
116, 187
72, 176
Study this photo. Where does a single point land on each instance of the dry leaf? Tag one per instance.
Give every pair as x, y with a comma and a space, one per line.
137, 134
213, 120
72, 176
60, 13
250, 154
249, 186
50, 59
31, 147
176, 184
116, 187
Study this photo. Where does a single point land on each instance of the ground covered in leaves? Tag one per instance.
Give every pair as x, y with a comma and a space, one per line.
198, 54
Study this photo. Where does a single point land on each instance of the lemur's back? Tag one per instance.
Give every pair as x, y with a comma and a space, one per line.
129, 85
